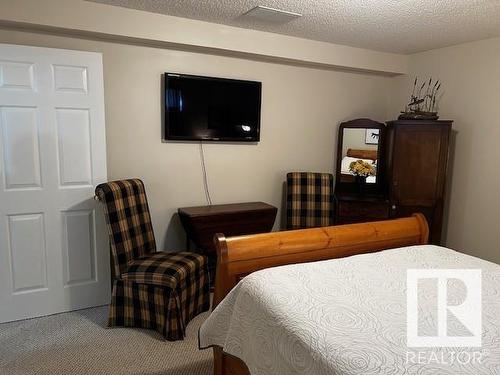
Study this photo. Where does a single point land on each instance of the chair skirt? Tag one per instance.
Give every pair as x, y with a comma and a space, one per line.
164, 309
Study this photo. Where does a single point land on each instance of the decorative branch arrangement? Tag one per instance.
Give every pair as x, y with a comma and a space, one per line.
422, 101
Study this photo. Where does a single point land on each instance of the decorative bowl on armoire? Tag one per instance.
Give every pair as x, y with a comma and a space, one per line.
418, 115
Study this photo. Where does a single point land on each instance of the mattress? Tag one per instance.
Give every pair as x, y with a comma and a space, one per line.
348, 316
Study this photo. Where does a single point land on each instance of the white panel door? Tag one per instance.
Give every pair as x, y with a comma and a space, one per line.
54, 254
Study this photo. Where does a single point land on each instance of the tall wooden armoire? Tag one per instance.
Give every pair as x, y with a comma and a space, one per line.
415, 174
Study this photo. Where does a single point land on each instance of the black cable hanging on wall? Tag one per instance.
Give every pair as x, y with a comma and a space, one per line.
205, 178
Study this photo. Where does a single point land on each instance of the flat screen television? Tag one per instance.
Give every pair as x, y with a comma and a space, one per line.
211, 109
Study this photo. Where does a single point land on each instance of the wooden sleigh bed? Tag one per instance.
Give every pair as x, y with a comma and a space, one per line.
240, 256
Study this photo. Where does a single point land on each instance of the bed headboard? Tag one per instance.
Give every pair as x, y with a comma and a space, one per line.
362, 154
241, 255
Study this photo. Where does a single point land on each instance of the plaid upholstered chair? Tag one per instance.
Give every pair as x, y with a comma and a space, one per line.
309, 200
156, 290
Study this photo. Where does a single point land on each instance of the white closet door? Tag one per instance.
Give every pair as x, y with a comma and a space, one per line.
54, 254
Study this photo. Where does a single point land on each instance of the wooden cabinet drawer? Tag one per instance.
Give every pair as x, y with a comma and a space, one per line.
201, 223
362, 211
230, 224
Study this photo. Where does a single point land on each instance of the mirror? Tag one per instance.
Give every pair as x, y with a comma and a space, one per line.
359, 144
359, 152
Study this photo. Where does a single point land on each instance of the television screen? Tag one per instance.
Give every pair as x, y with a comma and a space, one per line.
212, 109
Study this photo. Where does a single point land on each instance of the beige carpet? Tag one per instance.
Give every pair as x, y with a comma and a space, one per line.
79, 343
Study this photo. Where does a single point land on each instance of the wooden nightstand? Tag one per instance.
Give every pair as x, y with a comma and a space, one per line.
202, 222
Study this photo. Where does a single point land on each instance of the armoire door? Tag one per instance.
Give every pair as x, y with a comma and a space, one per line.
54, 254
418, 171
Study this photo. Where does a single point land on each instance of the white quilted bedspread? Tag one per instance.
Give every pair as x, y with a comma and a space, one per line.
346, 316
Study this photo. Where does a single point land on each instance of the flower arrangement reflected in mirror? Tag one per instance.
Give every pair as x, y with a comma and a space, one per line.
361, 170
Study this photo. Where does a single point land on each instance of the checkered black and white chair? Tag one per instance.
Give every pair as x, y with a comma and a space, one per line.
309, 200
156, 290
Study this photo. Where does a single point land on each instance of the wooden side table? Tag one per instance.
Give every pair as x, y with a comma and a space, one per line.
202, 222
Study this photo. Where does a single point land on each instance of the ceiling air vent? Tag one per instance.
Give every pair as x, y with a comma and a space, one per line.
267, 14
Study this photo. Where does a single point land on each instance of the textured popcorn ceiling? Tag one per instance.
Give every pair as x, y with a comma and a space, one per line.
402, 26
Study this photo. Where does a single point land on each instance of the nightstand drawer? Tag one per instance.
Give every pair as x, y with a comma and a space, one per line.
362, 211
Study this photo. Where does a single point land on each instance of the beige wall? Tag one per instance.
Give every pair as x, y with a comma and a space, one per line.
300, 114
301, 110
78, 17
471, 79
